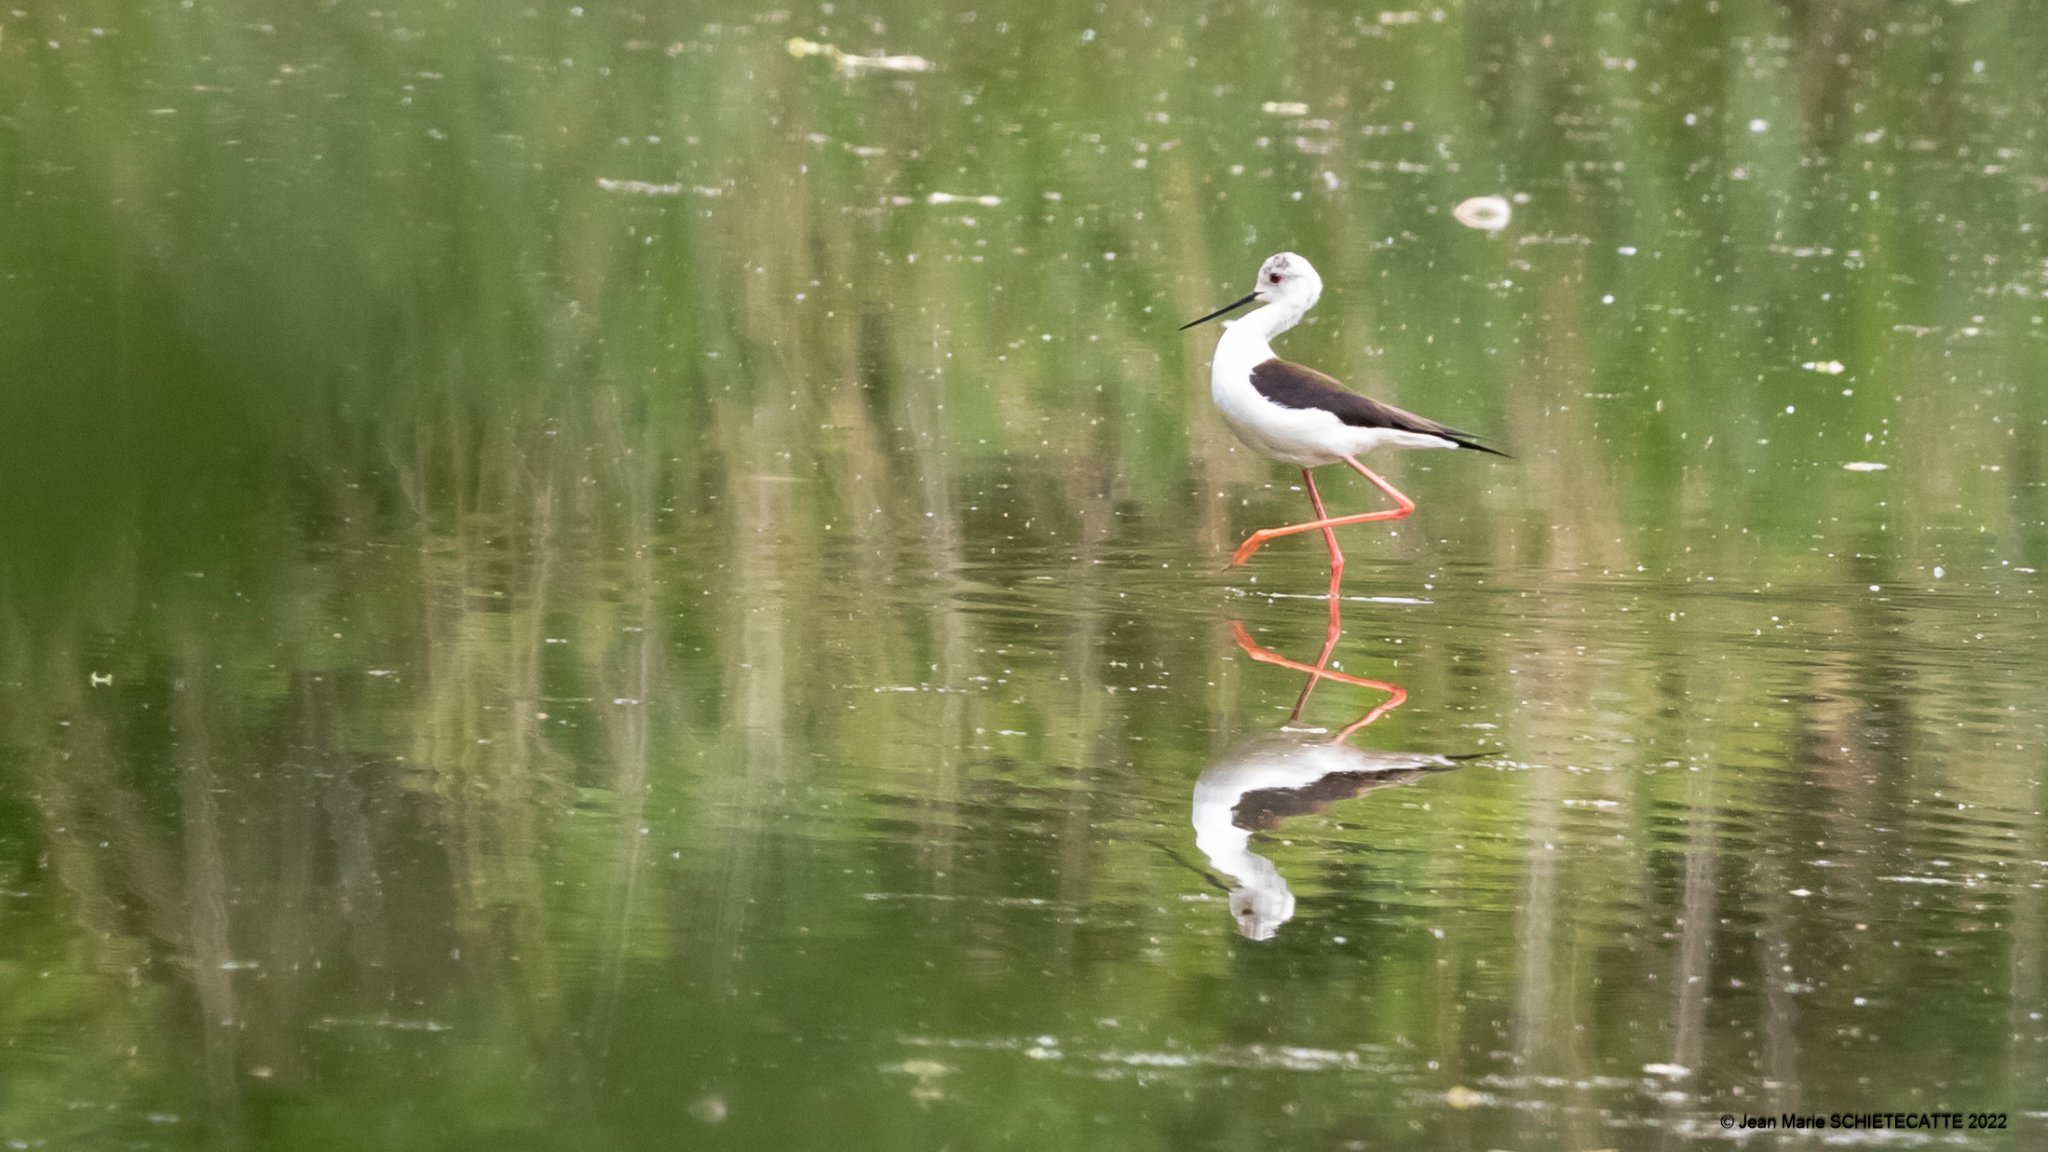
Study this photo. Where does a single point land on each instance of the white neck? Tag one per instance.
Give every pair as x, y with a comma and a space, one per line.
1273, 319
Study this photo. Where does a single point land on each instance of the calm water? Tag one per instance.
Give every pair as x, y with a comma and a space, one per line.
578, 578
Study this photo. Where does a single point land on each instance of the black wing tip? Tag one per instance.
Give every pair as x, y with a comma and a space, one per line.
1466, 440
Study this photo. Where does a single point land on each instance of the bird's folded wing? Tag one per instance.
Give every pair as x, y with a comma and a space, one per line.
1292, 385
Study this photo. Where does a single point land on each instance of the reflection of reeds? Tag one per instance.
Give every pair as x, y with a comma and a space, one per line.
453, 400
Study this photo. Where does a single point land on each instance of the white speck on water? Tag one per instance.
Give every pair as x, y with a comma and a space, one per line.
853, 64
1938, 573
1668, 1071
639, 187
386, 1023
1865, 466
1825, 367
957, 198
100, 679
1284, 108
1759, 125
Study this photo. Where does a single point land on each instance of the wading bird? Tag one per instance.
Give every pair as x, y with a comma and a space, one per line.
1298, 415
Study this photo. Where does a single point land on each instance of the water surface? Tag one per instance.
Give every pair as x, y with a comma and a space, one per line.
573, 577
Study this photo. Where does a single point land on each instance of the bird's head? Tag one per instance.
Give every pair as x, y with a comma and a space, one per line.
1260, 911
1284, 279
1288, 279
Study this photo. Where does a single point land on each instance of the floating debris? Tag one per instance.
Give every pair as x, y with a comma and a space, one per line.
1864, 466
101, 679
851, 63
646, 188
1460, 1097
952, 198
928, 1074
329, 1023
640, 187
1486, 213
1284, 108
1824, 367
708, 1109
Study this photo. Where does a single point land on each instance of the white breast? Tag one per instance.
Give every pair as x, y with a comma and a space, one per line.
1309, 437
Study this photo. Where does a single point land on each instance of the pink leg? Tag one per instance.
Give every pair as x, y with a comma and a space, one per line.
1336, 570
1257, 539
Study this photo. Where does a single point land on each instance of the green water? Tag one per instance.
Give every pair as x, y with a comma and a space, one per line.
553, 596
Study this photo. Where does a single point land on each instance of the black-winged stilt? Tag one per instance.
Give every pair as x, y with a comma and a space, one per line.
1296, 414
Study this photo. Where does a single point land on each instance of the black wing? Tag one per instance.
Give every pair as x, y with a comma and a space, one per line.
1292, 385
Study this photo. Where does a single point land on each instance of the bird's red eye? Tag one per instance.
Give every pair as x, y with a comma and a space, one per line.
1272, 277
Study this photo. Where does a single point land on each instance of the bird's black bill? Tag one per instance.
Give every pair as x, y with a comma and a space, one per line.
1227, 308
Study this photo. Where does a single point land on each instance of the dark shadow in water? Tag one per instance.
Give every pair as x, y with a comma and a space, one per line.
1294, 770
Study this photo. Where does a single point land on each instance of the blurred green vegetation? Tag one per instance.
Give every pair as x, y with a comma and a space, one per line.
596, 667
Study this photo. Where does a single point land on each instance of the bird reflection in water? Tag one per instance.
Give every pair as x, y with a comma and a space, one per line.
1295, 770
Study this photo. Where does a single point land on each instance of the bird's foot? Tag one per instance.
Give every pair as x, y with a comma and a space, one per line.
1251, 544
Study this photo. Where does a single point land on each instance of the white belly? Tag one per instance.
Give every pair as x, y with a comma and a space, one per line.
1309, 437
